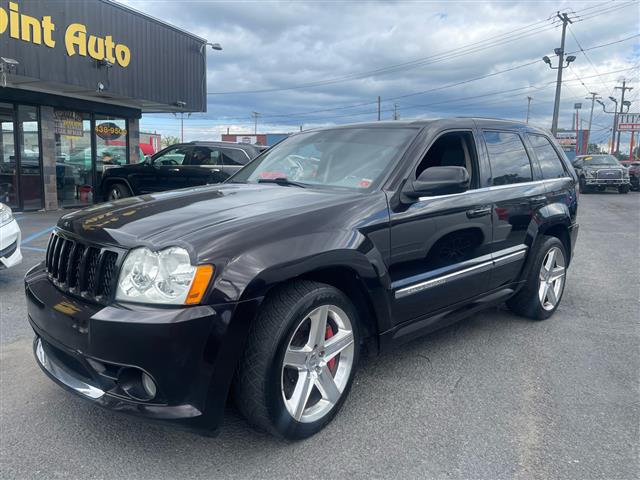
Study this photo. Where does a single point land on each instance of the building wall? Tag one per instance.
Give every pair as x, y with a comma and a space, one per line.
256, 139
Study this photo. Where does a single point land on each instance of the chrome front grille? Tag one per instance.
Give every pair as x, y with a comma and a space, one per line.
609, 174
89, 271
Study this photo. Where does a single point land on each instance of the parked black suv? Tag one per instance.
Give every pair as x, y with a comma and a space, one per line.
178, 166
597, 172
270, 284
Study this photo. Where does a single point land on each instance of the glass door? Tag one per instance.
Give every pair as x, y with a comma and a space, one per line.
29, 157
8, 158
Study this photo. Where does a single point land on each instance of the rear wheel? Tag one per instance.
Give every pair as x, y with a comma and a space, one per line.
542, 292
299, 361
116, 191
624, 189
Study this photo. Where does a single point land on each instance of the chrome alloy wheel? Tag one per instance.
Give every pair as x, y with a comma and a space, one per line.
114, 194
317, 363
552, 274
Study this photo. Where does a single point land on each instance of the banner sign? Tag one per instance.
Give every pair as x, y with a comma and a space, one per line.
68, 123
629, 122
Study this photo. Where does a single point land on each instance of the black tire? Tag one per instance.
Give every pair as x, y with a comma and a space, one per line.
257, 384
624, 189
526, 302
601, 188
116, 191
583, 186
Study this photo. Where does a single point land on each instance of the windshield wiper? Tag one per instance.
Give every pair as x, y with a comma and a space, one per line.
285, 182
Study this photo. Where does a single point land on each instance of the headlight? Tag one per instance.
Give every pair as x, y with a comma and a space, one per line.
165, 277
590, 173
6, 215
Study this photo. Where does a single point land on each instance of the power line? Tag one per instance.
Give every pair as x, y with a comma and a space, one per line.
490, 42
446, 55
344, 107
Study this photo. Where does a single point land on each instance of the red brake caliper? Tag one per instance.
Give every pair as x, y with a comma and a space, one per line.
328, 334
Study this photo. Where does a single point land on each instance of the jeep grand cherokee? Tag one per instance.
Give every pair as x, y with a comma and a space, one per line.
336, 239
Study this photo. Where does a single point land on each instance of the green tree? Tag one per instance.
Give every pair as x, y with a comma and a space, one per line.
169, 140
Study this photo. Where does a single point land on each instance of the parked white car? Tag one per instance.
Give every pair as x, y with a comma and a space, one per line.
10, 254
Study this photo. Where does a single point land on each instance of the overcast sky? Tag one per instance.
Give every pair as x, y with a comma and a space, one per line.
322, 57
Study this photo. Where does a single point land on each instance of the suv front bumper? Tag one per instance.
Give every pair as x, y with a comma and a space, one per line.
190, 353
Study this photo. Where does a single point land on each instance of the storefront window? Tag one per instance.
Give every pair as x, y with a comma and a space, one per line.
111, 143
8, 166
74, 172
30, 161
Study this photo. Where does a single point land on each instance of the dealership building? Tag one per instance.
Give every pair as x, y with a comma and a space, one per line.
75, 78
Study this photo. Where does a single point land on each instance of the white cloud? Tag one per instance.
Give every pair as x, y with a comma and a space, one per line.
273, 45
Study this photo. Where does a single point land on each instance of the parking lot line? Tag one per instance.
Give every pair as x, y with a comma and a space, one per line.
35, 249
35, 235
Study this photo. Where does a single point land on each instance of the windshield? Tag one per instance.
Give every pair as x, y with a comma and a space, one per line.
600, 160
347, 157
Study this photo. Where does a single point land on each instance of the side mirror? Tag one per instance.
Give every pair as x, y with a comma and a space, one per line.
438, 181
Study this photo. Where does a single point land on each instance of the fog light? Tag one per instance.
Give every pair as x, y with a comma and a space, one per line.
149, 385
137, 384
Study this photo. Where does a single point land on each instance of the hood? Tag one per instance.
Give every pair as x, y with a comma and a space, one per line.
177, 216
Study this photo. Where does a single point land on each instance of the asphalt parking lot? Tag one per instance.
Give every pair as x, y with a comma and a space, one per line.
493, 397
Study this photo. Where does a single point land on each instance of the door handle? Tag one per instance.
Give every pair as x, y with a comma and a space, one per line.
478, 212
539, 200
174, 169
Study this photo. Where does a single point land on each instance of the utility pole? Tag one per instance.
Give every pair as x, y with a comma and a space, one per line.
255, 116
182, 125
560, 52
378, 107
395, 112
593, 100
528, 107
623, 88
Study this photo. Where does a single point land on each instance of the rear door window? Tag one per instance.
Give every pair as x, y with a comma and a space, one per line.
234, 156
205, 156
550, 163
508, 158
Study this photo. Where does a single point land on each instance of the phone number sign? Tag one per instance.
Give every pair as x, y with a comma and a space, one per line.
109, 131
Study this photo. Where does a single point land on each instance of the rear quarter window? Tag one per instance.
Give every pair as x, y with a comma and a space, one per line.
548, 159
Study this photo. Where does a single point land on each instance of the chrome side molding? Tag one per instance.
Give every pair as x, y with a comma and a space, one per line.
504, 256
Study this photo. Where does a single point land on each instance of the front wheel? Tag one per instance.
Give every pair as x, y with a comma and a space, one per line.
542, 292
624, 189
116, 191
583, 186
299, 362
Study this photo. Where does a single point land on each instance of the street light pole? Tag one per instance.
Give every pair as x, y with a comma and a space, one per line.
623, 88
255, 116
528, 107
593, 101
560, 52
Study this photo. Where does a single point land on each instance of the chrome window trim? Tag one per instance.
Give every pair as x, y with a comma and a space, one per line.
505, 256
